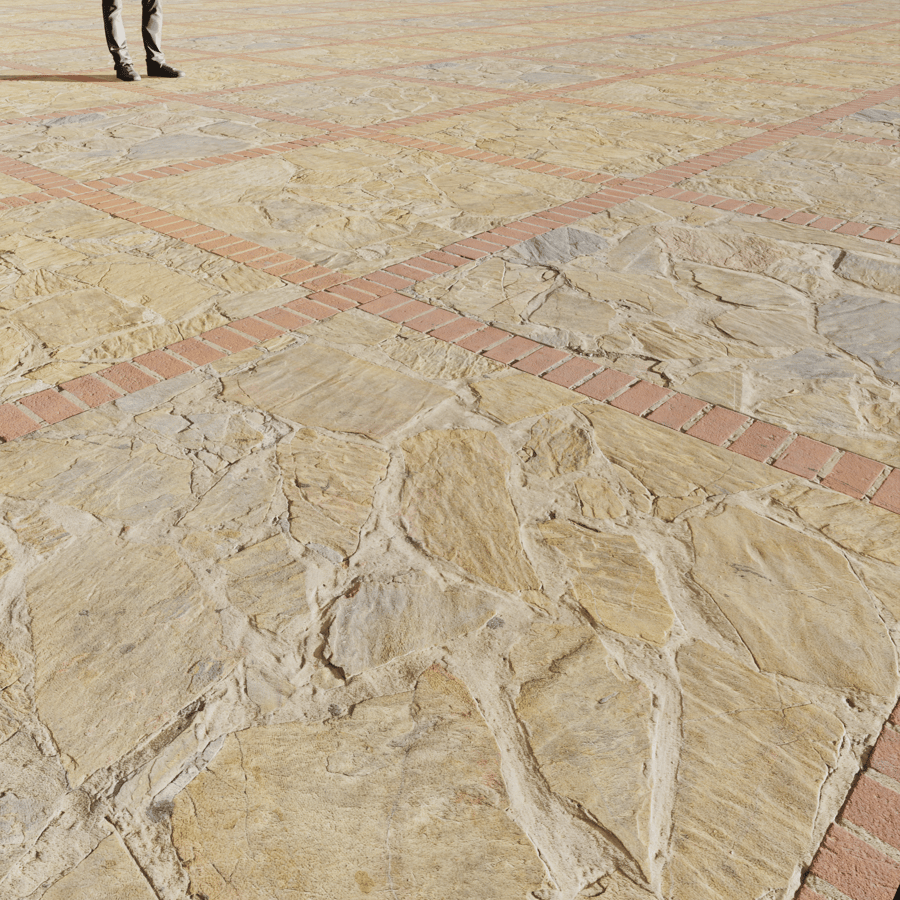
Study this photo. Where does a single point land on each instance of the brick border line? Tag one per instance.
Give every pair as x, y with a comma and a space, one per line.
378, 294
860, 856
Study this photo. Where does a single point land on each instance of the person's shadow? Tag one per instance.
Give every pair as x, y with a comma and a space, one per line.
88, 79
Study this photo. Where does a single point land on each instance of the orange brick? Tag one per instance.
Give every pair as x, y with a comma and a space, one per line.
718, 425
432, 320
805, 457
284, 318
676, 411
196, 351
855, 868
885, 757
513, 349
541, 360
572, 371
91, 391
875, 808
164, 364
128, 377
888, 495
483, 340
760, 441
14, 423
262, 331
640, 397
853, 475
50, 405
227, 339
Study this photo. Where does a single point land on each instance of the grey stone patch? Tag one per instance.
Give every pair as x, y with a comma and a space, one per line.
151, 397
382, 620
868, 328
872, 271
74, 120
558, 247
184, 145
877, 115
807, 363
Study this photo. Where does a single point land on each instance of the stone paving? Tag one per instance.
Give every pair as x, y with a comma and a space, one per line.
450, 452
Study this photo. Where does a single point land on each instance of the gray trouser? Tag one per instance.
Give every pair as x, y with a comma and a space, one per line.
151, 30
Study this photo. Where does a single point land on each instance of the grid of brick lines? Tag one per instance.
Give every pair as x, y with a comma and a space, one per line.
859, 856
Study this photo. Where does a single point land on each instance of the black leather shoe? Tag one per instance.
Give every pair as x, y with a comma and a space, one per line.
126, 72
163, 70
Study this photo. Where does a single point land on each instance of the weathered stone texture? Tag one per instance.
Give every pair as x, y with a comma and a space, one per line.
408, 785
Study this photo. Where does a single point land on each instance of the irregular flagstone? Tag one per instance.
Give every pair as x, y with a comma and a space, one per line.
678, 470
872, 271
556, 447
333, 390
520, 396
379, 620
407, 786
137, 645
794, 601
171, 294
456, 504
329, 484
613, 580
754, 755
267, 583
32, 785
108, 873
866, 529
432, 358
120, 478
590, 729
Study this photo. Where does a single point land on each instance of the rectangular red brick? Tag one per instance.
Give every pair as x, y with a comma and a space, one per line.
888, 495
434, 319
128, 377
483, 340
875, 808
885, 757
323, 282
718, 425
879, 234
429, 265
410, 272
394, 282
776, 212
372, 288
754, 209
676, 411
572, 371
468, 252
164, 364
311, 308
196, 351
825, 223
511, 350
452, 259
404, 311
605, 384
853, 475
378, 305
335, 300
853, 228
262, 331
807, 893
14, 423
50, 405
640, 397
286, 268
352, 294
284, 318
227, 339
805, 457
456, 329
91, 391
760, 441
855, 868
540, 360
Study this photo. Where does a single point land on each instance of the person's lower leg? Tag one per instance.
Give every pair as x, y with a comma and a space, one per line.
115, 32
151, 31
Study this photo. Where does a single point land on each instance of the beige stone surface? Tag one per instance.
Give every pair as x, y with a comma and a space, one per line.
456, 503
330, 389
148, 621
329, 484
744, 735
108, 873
771, 581
377, 621
413, 777
589, 726
613, 580
358, 613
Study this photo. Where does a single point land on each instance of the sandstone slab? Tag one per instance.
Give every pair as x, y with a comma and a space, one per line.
456, 503
330, 486
795, 602
333, 390
413, 778
746, 735
139, 644
613, 580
